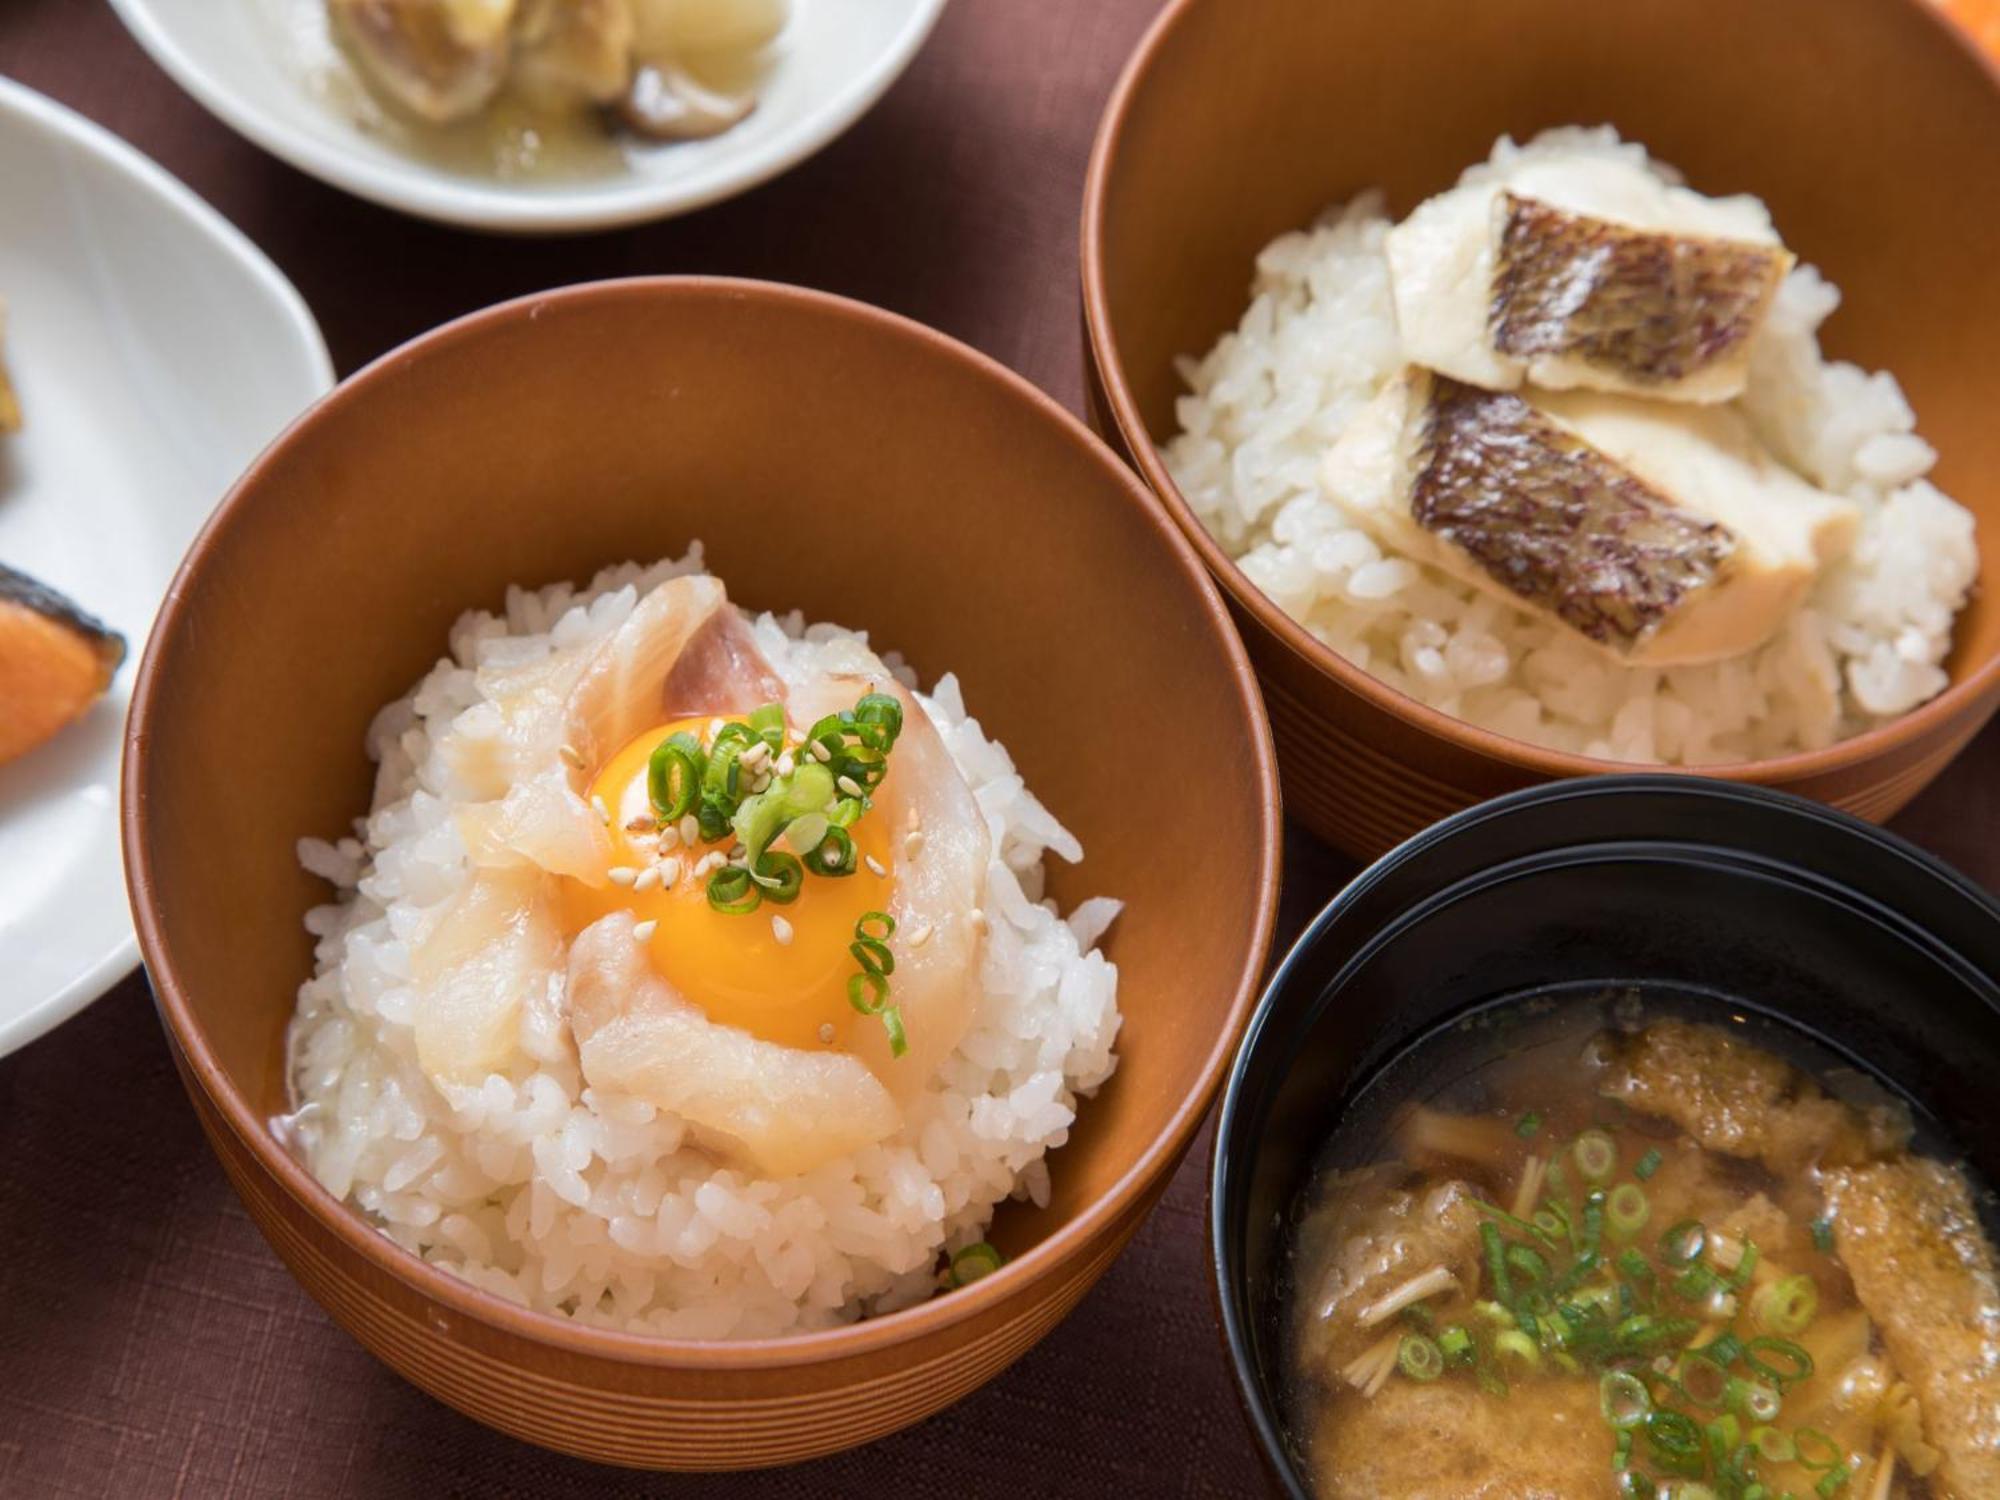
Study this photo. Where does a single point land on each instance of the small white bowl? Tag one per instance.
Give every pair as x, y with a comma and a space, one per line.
267, 70
156, 351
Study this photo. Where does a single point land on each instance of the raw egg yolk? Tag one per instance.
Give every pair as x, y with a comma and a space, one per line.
779, 972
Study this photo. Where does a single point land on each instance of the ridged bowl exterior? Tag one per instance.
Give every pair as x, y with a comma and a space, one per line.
978, 529
1870, 127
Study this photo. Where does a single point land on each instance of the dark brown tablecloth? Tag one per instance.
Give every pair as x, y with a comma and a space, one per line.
149, 1343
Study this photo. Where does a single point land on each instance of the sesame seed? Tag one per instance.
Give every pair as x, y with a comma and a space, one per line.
604, 813
826, 1032
915, 820
913, 845
643, 932
670, 871
875, 866
690, 829
820, 753
648, 878
623, 875
849, 785
737, 851
781, 930
756, 755
787, 764
670, 838
978, 919
918, 935
643, 825
573, 755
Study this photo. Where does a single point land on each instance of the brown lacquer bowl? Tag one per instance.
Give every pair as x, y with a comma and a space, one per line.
1870, 128
836, 459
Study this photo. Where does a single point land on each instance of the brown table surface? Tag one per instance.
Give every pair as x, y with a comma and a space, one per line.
150, 1344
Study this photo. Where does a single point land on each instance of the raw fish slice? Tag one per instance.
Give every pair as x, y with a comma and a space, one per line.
784, 1109
1586, 302
567, 718
942, 851
1910, 1237
495, 949
1661, 534
55, 661
720, 673
1596, 282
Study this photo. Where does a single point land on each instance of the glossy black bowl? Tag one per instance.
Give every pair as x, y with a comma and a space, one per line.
1760, 900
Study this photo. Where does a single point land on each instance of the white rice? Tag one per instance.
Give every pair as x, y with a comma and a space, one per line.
599, 1208
1319, 340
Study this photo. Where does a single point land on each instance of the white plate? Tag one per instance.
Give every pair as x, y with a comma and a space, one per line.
266, 68
155, 351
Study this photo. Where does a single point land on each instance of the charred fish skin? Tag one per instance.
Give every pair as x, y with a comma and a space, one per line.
1554, 521
1651, 308
17, 588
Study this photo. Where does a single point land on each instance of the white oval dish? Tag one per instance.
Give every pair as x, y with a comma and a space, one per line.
266, 69
156, 351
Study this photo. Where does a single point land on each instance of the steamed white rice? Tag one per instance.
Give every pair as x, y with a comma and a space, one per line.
601, 1208
1319, 340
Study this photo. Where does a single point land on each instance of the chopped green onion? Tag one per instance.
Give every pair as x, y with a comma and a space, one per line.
1773, 1446
1675, 1441
1745, 1268
833, 854
1516, 1353
1621, 1451
1648, 1164
673, 775
1491, 1383
1695, 1283
1596, 1155
1420, 1358
732, 892
1694, 1492
781, 876
1529, 1263
1590, 1228
1494, 1313
1682, 1245
868, 991
878, 925
1528, 1125
767, 722
1455, 1344
892, 1022
1779, 1361
973, 1262
1787, 1306
1725, 1349
1815, 1449
1626, 1210
1753, 1399
1496, 1263
1624, 1399
873, 955
1703, 1381
1822, 1236
1833, 1482
1724, 1434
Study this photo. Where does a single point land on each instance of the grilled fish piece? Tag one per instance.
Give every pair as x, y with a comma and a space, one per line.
1660, 534
55, 661
1908, 1235
1585, 271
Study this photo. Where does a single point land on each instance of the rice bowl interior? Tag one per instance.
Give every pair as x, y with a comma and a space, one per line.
517, 1166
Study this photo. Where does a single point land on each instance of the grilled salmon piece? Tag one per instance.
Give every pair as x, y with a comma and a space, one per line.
55, 661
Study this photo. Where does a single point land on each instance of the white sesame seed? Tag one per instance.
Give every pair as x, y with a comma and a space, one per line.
737, 851
913, 845
643, 931
787, 763
623, 874
978, 919
756, 755
670, 838
820, 753
647, 878
918, 935
781, 930
670, 871
690, 829
573, 755
875, 866
604, 813
915, 820
826, 1032
849, 785
642, 824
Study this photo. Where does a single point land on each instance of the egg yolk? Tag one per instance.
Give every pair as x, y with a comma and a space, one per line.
779, 972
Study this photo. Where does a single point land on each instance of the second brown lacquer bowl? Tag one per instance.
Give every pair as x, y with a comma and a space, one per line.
834, 459
1870, 127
